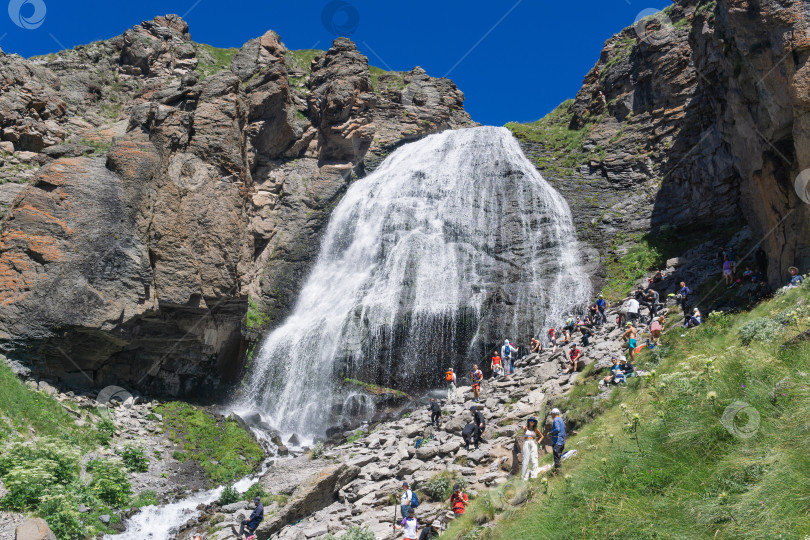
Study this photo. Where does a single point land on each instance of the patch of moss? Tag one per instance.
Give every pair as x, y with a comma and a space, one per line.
212, 60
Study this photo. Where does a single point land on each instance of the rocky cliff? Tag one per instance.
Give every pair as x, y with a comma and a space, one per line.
162, 198
691, 119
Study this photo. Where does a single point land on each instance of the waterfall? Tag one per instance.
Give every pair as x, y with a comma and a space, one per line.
452, 244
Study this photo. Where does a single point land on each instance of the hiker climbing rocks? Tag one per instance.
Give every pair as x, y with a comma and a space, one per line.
458, 500
653, 299
506, 357
601, 305
406, 499
557, 437
480, 425
574, 357
656, 328
409, 525
531, 439
552, 339
632, 310
630, 336
435, 413
497, 368
476, 377
468, 434
249, 525
450, 378
587, 333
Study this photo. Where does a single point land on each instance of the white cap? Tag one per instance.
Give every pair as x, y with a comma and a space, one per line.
555, 410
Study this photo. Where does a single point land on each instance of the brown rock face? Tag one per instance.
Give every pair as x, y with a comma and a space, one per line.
133, 265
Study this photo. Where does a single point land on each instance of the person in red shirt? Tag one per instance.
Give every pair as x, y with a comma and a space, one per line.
574, 359
497, 370
458, 500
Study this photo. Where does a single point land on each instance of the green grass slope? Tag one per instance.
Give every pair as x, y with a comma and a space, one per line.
714, 444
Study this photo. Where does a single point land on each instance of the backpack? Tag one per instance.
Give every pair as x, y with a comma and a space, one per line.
414, 500
507, 351
449, 376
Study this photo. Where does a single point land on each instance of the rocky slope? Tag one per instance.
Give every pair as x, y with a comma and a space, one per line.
163, 198
694, 118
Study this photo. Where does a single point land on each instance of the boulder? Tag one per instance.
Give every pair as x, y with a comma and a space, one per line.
34, 529
426, 453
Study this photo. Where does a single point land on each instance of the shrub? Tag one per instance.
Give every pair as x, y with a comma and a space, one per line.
26, 485
109, 482
62, 460
760, 329
106, 431
229, 495
134, 458
64, 520
355, 533
440, 487
255, 490
318, 450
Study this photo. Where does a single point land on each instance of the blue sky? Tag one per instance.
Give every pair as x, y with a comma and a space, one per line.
514, 59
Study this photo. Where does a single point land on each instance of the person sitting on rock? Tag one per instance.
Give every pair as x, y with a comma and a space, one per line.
476, 377
458, 501
796, 278
694, 320
409, 525
249, 525
627, 369
614, 369
574, 359
435, 413
536, 345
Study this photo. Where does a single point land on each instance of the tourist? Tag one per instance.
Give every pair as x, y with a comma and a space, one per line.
653, 302
536, 345
722, 255
627, 369
450, 377
431, 532
406, 499
728, 273
632, 310
614, 369
641, 296
762, 261
748, 275
468, 434
568, 328
574, 359
796, 278
656, 328
732, 259
458, 501
506, 357
694, 320
435, 413
586, 332
532, 437
683, 295
762, 291
497, 368
658, 277
557, 437
480, 426
601, 305
476, 377
552, 339
249, 525
593, 311
630, 335
409, 525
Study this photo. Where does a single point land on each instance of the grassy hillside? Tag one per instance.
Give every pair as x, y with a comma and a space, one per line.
713, 444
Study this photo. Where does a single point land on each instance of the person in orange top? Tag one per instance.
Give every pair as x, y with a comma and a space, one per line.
476, 377
458, 500
497, 370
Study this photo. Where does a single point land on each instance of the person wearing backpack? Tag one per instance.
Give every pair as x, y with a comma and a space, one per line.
408, 500
506, 357
476, 377
450, 378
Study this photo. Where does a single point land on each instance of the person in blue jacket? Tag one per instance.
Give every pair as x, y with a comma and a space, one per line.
557, 437
252, 523
601, 305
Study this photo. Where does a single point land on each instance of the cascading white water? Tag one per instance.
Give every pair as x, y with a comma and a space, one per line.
453, 243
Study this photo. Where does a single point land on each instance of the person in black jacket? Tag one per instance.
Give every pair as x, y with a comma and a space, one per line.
252, 523
435, 413
480, 425
468, 434
762, 261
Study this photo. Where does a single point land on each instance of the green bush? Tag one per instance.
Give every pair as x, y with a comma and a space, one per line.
61, 513
134, 458
229, 495
318, 450
109, 482
761, 329
106, 431
62, 459
255, 490
440, 487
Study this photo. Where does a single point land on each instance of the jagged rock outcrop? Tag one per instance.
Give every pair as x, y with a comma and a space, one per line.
696, 117
157, 184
